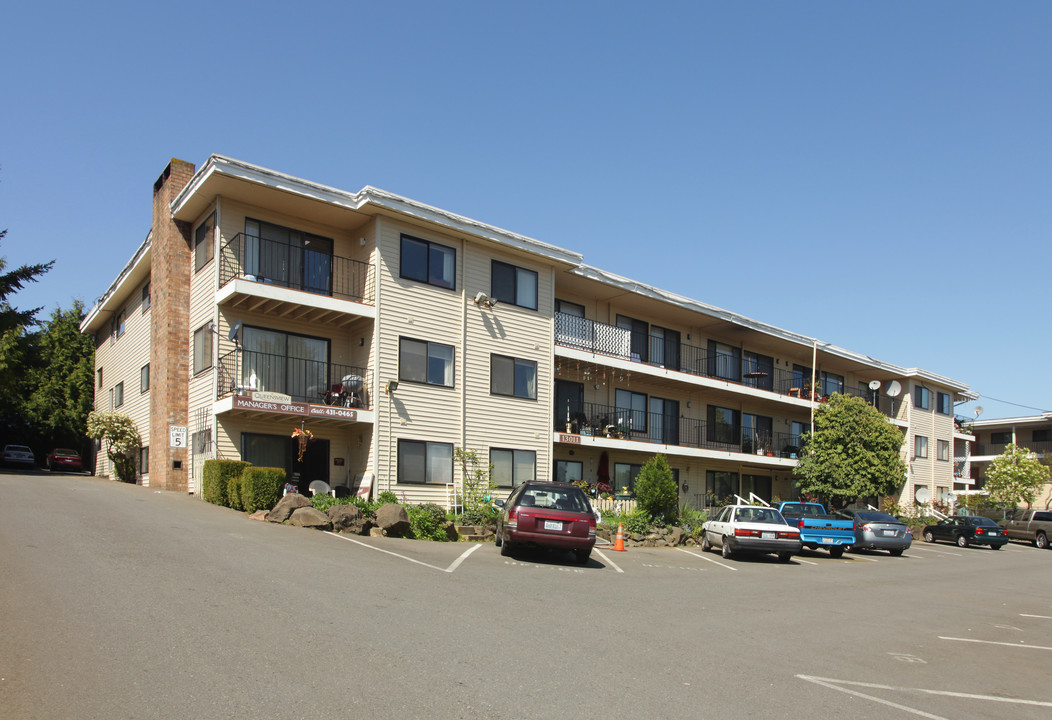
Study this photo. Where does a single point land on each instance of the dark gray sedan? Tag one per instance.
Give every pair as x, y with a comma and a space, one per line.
878, 531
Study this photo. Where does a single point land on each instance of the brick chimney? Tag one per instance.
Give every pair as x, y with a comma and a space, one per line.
172, 255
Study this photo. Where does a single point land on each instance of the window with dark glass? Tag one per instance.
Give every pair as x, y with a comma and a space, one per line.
758, 370
291, 258
639, 334
631, 410
801, 376
944, 449
625, 475
204, 247
287, 363
664, 347
146, 297
921, 397
757, 433
202, 348
1001, 438
664, 421
144, 460
720, 486
428, 262
513, 285
725, 361
831, 383
724, 425
943, 404
759, 485
118, 395
1044, 435
511, 468
569, 308
568, 471
144, 378
920, 446
425, 362
513, 376
425, 462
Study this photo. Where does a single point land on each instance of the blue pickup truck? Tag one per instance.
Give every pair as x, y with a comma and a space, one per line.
817, 529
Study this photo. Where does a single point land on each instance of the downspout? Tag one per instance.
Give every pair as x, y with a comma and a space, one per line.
814, 364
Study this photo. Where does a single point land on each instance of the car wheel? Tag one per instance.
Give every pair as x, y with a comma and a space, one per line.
727, 552
582, 555
995, 547
785, 557
505, 549
498, 539
895, 553
836, 552
962, 541
928, 537
1041, 541
705, 544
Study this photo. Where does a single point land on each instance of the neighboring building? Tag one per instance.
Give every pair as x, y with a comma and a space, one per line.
395, 332
994, 435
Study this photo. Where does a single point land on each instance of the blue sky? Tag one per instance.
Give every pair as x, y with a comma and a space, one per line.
875, 175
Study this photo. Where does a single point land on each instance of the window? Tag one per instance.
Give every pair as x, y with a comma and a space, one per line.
144, 460
118, 395
146, 298
759, 370
920, 446
801, 376
428, 262
831, 383
296, 365
425, 462
625, 475
117, 325
204, 248
757, 432
100, 378
569, 308
1041, 435
921, 398
288, 257
425, 362
111, 399
720, 485
631, 410
144, 378
664, 347
796, 438
724, 361
760, 485
512, 468
568, 471
513, 376
1000, 438
664, 421
724, 425
513, 285
202, 348
944, 449
639, 337
943, 406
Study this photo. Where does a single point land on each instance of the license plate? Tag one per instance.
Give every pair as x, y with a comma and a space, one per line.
890, 533
767, 535
553, 525
828, 541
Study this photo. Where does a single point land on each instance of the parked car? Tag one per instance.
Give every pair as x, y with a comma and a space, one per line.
751, 529
817, 529
1032, 525
967, 530
549, 515
878, 531
18, 456
64, 459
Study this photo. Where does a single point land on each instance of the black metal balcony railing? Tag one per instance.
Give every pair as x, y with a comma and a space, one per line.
610, 421
295, 267
596, 337
309, 381
1040, 447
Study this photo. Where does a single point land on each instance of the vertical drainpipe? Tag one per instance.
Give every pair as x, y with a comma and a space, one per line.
814, 371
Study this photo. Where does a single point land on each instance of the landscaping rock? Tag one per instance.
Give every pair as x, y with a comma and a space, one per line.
310, 517
393, 520
346, 518
450, 530
376, 532
283, 510
676, 536
259, 515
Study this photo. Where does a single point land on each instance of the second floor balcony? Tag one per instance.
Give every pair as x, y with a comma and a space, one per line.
297, 267
306, 381
731, 366
592, 419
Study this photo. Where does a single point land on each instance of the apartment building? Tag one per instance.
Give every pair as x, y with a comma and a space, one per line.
992, 436
394, 332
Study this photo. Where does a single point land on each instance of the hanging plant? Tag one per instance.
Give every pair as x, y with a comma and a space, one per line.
304, 436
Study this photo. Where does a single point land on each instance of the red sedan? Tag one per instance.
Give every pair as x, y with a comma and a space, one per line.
64, 459
551, 515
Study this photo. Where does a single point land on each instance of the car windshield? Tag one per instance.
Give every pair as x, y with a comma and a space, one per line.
759, 515
877, 517
17, 448
64, 451
549, 498
981, 521
803, 509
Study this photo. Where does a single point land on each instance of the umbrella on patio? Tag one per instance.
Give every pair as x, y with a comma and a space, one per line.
603, 476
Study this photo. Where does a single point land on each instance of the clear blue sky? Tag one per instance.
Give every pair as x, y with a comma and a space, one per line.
875, 175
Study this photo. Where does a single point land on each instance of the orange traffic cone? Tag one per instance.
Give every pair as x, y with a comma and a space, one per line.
619, 541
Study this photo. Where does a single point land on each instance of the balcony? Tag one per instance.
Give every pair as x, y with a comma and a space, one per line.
296, 268
1041, 447
612, 341
305, 381
607, 421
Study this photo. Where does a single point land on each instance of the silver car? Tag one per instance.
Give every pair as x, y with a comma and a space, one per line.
878, 531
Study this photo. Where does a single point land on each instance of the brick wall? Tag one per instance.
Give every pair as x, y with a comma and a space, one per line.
170, 339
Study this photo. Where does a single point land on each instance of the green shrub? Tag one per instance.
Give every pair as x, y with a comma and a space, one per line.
322, 502
478, 515
656, 491
216, 479
386, 497
426, 522
233, 493
261, 488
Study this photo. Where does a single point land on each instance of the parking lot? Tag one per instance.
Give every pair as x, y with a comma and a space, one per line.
116, 585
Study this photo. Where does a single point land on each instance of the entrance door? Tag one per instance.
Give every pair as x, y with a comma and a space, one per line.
314, 466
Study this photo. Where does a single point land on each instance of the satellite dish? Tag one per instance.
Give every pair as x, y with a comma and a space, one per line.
923, 495
894, 388
874, 385
951, 496
232, 335
978, 410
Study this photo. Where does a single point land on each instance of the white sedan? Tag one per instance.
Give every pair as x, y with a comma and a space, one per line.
753, 529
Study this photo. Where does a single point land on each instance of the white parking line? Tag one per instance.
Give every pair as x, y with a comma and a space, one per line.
451, 568
938, 552
607, 560
717, 562
805, 562
835, 685
995, 642
1039, 617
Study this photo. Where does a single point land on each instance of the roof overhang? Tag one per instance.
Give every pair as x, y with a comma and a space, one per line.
134, 273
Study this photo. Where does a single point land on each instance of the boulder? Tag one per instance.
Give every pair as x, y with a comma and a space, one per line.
346, 518
310, 517
376, 532
450, 530
676, 536
283, 510
393, 520
259, 515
